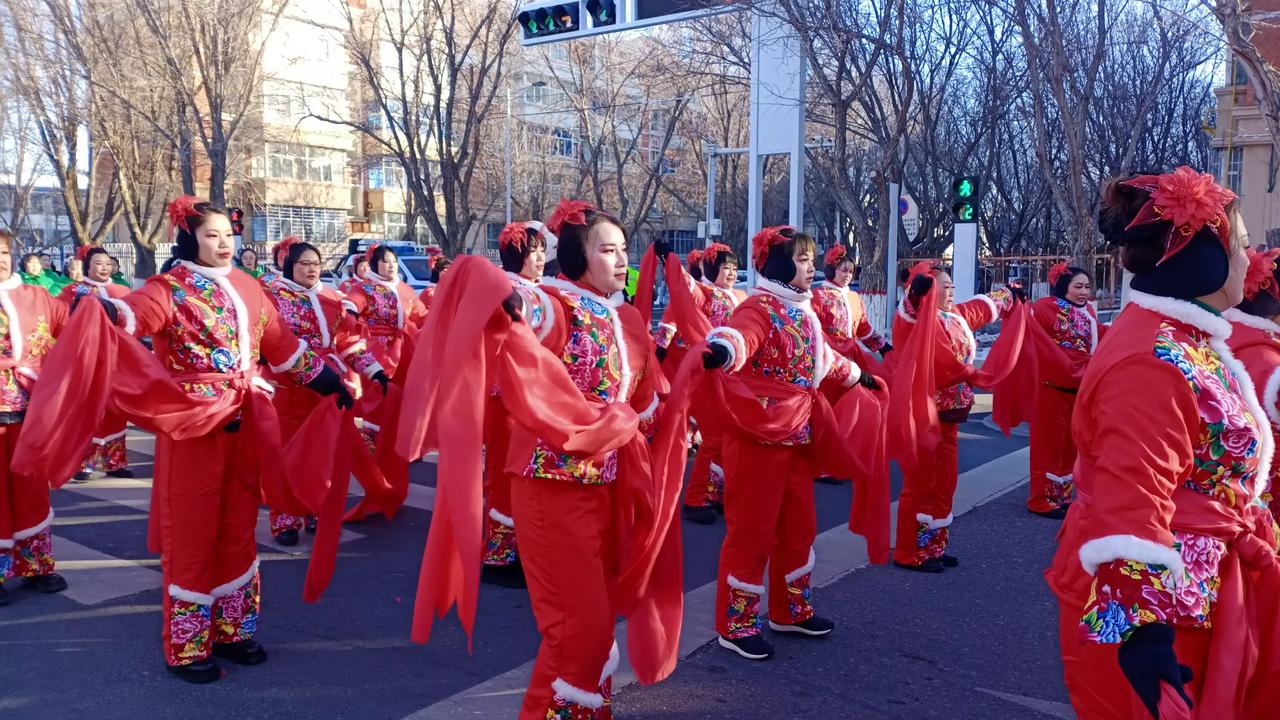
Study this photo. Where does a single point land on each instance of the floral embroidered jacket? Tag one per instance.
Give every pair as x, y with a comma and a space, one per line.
30, 320
1256, 342
105, 290
391, 314
844, 316
1171, 466
427, 295
605, 346
775, 339
317, 316
957, 327
205, 322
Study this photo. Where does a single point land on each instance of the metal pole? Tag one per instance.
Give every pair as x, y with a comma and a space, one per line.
891, 257
506, 141
712, 161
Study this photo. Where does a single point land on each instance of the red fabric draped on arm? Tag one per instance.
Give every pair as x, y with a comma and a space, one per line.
644, 285
913, 428
684, 311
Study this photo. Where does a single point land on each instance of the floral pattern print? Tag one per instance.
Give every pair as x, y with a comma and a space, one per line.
789, 354
106, 457
1127, 594
960, 342
1058, 494
37, 343
6, 564
1072, 326
663, 335
744, 614
719, 304
500, 550
1226, 449
187, 633
204, 340
843, 316
799, 595
34, 555
547, 462
284, 521
931, 542
235, 615
562, 709
382, 314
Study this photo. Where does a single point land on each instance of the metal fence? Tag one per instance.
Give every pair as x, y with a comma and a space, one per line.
1033, 272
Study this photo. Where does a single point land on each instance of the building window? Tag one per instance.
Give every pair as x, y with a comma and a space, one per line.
564, 143
682, 241
385, 174
1238, 74
1235, 166
537, 94
492, 231
315, 225
306, 163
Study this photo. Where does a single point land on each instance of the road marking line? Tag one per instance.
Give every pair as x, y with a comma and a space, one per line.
1048, 707
90, 583
838, 552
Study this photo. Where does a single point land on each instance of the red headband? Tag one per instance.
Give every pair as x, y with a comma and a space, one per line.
1188, 200
766, 239
1261, 274
713, 252
182, 209
1057, 271
568, 212
836, 255
515, 235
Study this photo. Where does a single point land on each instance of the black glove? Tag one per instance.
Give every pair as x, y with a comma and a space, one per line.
353, 313
886, 349
868, 381
381, 378
920, 285
1147, 659
107, 306
661, 248
512, 306
716, 356
661, 353
329, 382
1018, 291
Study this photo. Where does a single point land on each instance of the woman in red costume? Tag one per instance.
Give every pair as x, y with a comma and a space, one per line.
315, 314
1166, 574
1066, 337
31, 320
937, 374
774, 352
522, 248
671, 344
357, 272
107, 452
1255, 340
841, 310
438, 264
391, 314
269, 274
211, 326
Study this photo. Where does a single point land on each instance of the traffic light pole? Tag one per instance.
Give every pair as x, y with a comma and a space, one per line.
964, 260
891, 258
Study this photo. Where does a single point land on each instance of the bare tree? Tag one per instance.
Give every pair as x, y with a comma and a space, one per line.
20, 165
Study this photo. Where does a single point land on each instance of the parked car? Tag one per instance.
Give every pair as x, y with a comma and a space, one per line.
414, 270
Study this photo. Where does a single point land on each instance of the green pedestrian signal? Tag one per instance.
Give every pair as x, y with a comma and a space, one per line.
964, 199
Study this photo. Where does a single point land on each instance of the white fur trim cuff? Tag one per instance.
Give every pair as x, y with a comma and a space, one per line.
36, 530
126, 312
934, 524
503, 520
649, 411
6, 544
611, 665
737, 584
178, 592
229, 587
109, 438
733, 341
577, 696
373, 369
370, 426
991, 304
1129, 547
292, 359
802, 570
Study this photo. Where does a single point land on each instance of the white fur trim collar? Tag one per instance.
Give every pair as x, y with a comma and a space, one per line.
780, 291
392, 283
519, 279
801, 301
313, 294
612, 301
1236, 315
1184, 312
12, 282
205, 270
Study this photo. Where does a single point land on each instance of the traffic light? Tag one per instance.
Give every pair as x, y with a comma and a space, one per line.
602, 12
964, 199
548, 20
236, 215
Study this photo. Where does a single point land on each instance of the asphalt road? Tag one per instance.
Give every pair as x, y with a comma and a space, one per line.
907, 645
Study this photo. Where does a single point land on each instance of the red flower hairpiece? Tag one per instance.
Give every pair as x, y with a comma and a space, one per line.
282, 250
1261, 274
924, 267
766, 239
1188, 200
515, 234
836, 255
713, 252
694, 258
368, 254
568, 212
182, 209
82, 252
434, 251
1057, 271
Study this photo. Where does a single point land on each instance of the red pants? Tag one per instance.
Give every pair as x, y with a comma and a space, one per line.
25, 542
293, 404
1098, 689
1053, 454
706, 480
924, 507
500, 528
568, 556
206, 508
770, 519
